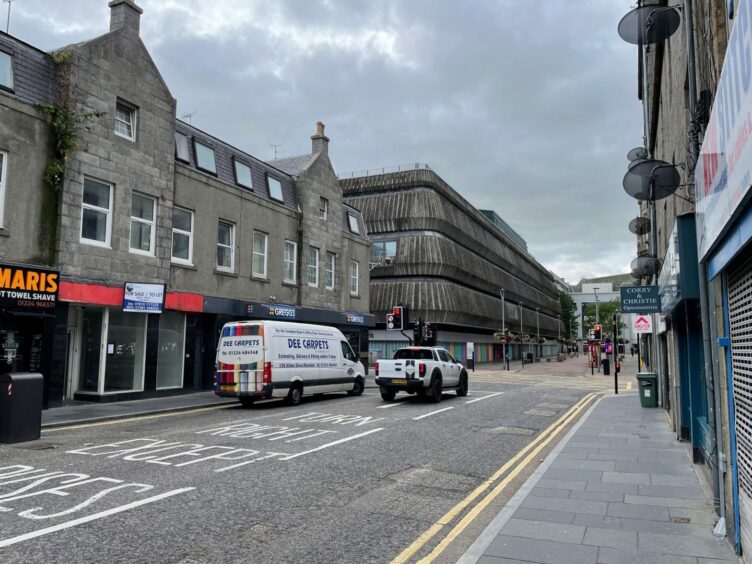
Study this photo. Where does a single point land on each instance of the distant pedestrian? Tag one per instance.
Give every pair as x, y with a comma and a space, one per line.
631, 349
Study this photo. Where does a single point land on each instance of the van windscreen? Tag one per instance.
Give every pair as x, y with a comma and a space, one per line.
414, 354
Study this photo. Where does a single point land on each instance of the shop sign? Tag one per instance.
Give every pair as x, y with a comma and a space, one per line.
722, 175
355, 318
640, 299
143, 298
642, 323
281, 312
31, 289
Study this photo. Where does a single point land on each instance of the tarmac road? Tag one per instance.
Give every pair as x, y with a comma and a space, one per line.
336, 479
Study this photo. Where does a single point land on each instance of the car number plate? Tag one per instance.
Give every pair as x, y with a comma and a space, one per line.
399, 381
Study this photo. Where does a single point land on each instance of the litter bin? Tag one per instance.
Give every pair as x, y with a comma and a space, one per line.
606, 366
648, 385
20, 407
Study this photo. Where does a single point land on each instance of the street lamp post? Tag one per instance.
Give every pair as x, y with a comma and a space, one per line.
558, 332
522, 356
537, 330
595, 291
504, 358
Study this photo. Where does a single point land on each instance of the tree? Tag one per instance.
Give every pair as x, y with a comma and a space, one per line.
606, 311
569, 318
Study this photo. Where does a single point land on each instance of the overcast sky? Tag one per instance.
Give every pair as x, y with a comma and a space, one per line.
524, 107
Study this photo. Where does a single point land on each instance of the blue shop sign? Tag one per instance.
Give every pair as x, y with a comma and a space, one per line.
355, 318
281, 312
678, 279
640, 299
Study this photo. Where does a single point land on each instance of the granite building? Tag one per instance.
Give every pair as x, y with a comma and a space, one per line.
160, 232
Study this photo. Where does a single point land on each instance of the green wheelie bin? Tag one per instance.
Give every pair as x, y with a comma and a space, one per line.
648, 386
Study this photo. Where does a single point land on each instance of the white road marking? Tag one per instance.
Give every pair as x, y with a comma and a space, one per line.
431, 413
333, 443
484, 397
89, 518
393, 404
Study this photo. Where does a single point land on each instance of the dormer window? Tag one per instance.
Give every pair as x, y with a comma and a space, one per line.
205, 157
6, 70
181, 147
242, 174
275, 188
125, 120
352, 221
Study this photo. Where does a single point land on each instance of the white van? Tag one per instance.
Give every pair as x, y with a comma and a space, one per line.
274, 359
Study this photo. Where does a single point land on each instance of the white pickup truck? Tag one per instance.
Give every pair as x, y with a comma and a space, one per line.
422, 370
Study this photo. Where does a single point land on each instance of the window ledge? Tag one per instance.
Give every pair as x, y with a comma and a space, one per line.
355, 296
290, 284
4, 232
225, 273
185, 265
263, 279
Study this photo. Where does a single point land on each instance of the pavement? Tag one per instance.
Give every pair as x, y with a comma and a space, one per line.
617, 488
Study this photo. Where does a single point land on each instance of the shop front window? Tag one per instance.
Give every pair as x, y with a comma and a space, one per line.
126, 348
170, 360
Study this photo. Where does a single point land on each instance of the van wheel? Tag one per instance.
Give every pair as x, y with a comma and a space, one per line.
462, 388
434, 395
295, 395
387, 394
357, 387
247, 402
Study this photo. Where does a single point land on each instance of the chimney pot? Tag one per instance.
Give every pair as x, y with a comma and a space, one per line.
125, 14
320, 142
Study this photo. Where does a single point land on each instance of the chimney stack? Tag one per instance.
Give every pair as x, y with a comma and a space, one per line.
125, 14
320, 142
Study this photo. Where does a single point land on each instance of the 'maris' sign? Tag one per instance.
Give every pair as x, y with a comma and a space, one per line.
640, 299
30, 289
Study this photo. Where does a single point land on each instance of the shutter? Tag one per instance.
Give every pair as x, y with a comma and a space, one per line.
740, 320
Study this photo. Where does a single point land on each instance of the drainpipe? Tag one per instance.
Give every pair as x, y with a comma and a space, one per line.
716, 437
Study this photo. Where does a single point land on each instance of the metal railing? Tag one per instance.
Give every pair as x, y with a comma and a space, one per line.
385, 170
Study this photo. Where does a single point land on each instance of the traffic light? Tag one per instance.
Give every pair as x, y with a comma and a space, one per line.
597, 331
394, 320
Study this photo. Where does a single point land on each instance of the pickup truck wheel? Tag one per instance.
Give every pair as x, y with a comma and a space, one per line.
357, 387
462, 387
246, 401
387, 394
434, 395
295, 395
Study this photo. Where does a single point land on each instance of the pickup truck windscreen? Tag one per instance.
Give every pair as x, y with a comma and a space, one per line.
413, 354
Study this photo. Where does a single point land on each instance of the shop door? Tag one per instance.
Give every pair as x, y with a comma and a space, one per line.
740, 321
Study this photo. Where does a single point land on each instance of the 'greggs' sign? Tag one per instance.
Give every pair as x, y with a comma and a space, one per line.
28, 288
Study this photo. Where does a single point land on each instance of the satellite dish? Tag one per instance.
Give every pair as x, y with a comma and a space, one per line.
645, 266
637, 182
637, 153
640, 226
649, 24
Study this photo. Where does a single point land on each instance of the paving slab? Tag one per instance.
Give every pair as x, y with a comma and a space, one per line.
608, 493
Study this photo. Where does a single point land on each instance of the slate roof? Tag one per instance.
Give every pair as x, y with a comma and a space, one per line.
33, 71
224, 155
293, 165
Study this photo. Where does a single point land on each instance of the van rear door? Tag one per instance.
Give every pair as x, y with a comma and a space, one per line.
240, 360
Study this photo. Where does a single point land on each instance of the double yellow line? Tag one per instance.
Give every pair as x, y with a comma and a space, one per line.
524, 457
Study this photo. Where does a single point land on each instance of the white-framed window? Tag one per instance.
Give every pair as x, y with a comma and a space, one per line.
275, 188
6, 70
323, 208
354, 268
290, 262
313, 266
329, 271
125, 120
258, 263
204, 157
242, 174
143, 220
96, 213
352, 221
182, 236
226, 247
3, 177
181, 147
